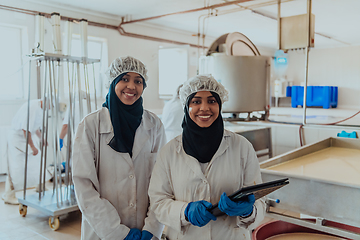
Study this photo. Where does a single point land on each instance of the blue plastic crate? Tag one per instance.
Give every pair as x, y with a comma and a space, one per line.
288, 91
317, 96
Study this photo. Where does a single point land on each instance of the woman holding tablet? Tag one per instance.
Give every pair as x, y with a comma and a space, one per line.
201, 167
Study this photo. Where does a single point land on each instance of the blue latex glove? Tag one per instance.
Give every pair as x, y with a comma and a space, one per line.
61, 143
197, 213
134, 234
146, 235
241, 208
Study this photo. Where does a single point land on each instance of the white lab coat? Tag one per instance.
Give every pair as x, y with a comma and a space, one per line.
17, 146
177, 179
111, 188
19, 121
172, 117
76, 112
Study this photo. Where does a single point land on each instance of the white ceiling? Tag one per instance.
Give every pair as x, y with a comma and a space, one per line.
337, 19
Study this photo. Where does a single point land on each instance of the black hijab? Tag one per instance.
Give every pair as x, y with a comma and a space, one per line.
125, 119
202, 143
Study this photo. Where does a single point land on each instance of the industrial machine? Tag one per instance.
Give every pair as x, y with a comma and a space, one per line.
235, 62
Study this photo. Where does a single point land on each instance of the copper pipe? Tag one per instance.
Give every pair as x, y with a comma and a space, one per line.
188, 11
127, 34
103, 25
48, 15
242, 8
20, 10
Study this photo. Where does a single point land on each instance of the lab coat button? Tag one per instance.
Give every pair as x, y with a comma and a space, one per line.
204, 181
131, 204
131, 176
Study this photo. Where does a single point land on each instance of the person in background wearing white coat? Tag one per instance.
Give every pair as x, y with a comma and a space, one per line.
64, 129
201, 167
172, 116
114, 153
17, 149
75, 115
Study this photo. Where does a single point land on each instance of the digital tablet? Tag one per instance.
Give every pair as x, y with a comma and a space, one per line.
258, 190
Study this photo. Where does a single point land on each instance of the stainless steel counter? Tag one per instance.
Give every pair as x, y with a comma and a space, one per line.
258, 136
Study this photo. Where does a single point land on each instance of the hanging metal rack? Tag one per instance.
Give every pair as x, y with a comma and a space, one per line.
61, 198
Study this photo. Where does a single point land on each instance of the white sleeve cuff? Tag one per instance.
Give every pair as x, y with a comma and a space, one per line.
182, 216
245, 222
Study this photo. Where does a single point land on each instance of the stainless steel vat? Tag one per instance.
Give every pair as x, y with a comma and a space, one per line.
246, 79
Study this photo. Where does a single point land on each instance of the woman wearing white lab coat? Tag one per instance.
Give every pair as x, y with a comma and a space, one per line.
114, 153
195, 169
17, 150
172, 116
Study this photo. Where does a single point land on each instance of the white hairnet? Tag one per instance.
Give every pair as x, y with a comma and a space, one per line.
202, 83
126, 64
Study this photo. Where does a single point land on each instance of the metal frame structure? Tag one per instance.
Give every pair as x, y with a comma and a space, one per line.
61, 199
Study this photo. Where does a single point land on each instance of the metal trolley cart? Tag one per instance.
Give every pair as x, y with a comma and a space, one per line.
61, 198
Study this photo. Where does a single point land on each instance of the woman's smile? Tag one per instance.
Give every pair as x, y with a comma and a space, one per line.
204, 117
129, 95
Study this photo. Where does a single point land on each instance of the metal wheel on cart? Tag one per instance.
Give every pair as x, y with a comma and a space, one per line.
54, 223
22, 210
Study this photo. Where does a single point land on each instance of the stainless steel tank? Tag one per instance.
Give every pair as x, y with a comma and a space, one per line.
245, 77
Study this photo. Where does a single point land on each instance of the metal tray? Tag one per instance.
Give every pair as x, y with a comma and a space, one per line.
323, 199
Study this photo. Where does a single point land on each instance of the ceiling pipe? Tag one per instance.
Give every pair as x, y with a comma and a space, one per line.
48, 15
276, 18
102, 25
241, 8
124, 33
19, 10
187, 11
135, 35
113, 27
211, 7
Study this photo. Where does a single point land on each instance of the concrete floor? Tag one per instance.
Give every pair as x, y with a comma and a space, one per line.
34, 226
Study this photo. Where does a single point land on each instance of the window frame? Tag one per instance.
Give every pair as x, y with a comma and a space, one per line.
24, 66
170, 92
102, 81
